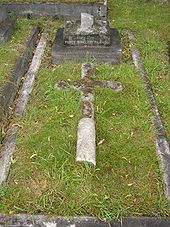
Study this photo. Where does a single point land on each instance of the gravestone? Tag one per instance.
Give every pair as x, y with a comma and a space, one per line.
7, 26
88, 37
86, 135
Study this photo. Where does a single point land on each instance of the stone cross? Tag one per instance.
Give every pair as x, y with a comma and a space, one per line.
86, 135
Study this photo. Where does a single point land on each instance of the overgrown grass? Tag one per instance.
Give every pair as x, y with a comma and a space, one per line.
150, 21
9, 51
45, 179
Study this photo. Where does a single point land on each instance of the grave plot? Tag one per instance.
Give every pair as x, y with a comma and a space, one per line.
46, 179
127, 181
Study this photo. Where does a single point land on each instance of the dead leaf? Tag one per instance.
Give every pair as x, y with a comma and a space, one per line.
126, 176
132, 133
113, 170
161, 77
101, 141
32, 156
129, 185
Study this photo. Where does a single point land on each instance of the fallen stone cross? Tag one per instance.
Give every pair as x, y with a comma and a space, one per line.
86, 136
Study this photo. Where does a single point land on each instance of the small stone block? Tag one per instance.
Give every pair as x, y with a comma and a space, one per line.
87, 22
111, 54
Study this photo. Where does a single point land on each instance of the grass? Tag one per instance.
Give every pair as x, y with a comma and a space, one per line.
9, 51
45, 179
150, 21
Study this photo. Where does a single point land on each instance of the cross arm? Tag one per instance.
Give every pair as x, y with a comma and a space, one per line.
65, 84
78, 85
62, 84
117, 86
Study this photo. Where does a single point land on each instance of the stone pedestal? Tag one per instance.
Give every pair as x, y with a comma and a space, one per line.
87, 40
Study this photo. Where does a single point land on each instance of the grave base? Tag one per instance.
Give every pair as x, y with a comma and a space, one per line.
101, 54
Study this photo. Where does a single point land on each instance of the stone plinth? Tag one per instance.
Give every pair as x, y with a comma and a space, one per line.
86, 40
111, 54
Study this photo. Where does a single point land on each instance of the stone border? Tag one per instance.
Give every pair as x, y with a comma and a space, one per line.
9, 141
82, 221
9, 90
162, 143
55, 9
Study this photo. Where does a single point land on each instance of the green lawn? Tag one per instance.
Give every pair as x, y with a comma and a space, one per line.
45, 179
150, 21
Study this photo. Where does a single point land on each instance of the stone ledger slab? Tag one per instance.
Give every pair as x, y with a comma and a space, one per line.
66, 10
22, 220
102, 54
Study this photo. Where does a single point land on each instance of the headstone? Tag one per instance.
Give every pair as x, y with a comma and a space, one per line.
86, 135
88, 36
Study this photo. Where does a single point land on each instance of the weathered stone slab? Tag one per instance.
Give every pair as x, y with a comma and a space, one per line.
3, 15
10, 87
7, 27
68, 10
23, 220
102, 54
28, 83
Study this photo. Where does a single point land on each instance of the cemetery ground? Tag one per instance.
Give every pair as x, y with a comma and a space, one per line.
127, 181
